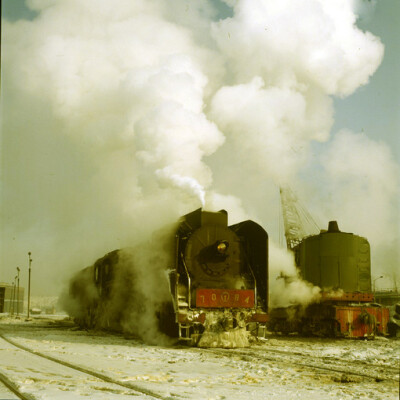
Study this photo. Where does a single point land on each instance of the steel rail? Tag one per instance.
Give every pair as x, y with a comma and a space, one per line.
250, 356
87, 371
13, 388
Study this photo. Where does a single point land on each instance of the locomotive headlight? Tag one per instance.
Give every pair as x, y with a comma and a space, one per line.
222, 247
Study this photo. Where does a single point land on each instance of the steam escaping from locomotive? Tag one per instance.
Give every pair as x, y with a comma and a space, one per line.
186, 183
287, 287
170, 106
125, 289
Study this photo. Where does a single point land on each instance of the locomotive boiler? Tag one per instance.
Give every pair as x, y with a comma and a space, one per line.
216, 277
340, 264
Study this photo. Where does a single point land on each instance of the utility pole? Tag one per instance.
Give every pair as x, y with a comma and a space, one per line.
29, 282
18, 293
11, 309
13, 296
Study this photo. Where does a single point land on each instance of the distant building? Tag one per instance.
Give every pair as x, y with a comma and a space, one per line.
10, 300
387, 297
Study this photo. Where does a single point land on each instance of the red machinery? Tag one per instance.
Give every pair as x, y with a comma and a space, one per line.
340, 264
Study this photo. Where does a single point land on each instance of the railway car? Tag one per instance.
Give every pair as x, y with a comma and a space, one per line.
95, 298
340, 264
217, 281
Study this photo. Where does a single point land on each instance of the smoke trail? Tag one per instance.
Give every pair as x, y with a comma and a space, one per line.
286, 286
362, 192
184, 182
136, 112
286, 60
122, 107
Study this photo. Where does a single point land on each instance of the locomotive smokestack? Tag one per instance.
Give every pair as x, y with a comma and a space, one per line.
333, 226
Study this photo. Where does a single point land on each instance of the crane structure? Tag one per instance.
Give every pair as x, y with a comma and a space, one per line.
338, 263
297, 221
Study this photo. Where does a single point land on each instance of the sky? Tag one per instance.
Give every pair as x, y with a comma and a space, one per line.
117, 119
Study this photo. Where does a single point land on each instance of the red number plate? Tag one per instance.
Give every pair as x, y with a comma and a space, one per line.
217, 298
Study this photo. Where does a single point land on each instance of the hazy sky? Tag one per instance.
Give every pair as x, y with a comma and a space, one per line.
375, 108
117, 117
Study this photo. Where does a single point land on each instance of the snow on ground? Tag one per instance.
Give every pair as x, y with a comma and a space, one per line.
6, 394
179, 372
46, 379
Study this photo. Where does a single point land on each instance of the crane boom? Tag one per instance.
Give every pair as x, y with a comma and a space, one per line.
297, 221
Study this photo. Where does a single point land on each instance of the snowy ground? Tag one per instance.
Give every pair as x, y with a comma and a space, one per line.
276, 367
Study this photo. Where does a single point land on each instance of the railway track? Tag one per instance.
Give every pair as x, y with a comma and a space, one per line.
12, 387
330, 365
63, 369
331, 360
266, 363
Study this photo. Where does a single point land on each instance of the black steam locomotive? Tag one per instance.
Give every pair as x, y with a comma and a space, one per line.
217, 282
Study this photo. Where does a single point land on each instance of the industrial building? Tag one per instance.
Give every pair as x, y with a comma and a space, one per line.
11, 299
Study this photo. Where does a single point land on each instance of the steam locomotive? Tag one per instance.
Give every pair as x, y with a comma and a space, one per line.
340, 264
217, 282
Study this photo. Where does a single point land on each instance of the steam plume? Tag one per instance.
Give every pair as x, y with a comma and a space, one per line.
122, 116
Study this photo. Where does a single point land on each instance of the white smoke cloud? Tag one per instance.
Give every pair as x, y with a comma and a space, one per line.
286, 286
122, 116
312, 42
148, 263
217, 201
124, 88
184, 182
364, 171
274, 125
285, 61
362, 193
